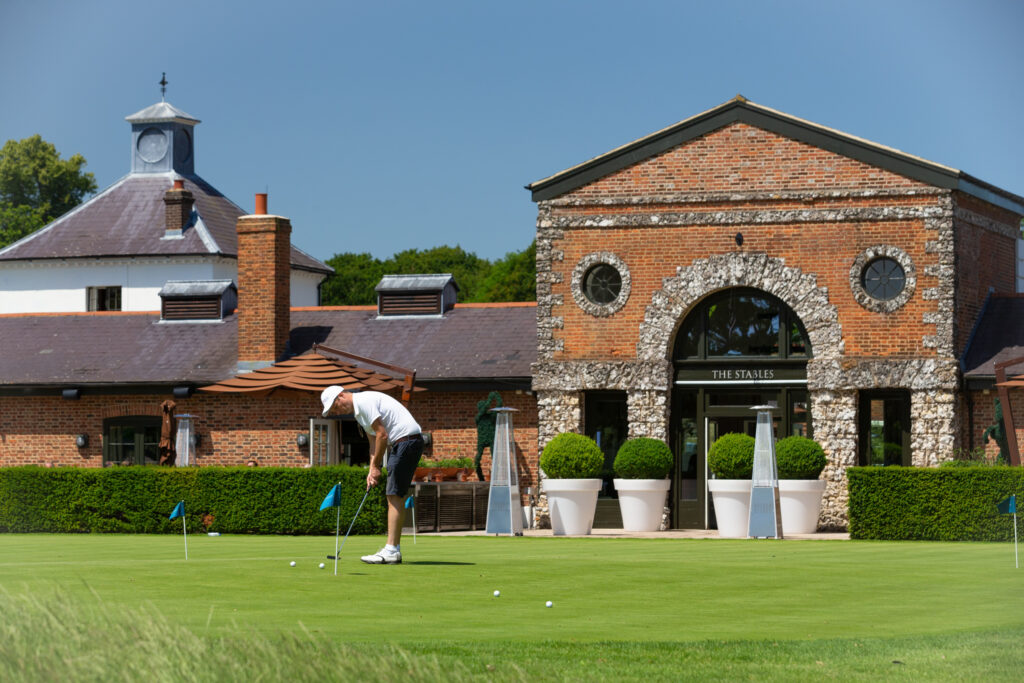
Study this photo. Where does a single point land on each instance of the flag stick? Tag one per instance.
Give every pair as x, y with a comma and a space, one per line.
414, 522
337, 529
184, 535
1017, 562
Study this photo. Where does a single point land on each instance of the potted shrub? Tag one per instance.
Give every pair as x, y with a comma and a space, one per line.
731, 461
642, 467
572, 463
800, 461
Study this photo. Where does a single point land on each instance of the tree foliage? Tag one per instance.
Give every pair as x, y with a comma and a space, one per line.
37, 186
512, 278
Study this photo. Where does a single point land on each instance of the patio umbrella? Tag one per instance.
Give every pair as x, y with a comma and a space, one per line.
168, 432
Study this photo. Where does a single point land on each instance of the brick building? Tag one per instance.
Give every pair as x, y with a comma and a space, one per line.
744, 256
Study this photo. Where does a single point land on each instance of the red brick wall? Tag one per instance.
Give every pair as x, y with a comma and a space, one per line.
984, 259
744, 157
37, 430
983, 416
264, 295
450, 418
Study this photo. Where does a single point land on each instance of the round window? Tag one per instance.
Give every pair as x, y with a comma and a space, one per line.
602, 284
883, 279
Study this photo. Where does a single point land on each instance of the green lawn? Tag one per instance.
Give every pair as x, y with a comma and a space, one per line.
622, 607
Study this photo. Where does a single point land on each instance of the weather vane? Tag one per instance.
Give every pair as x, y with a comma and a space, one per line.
163, 86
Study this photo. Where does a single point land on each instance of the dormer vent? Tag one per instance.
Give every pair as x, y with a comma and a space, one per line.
190, 300
416, 294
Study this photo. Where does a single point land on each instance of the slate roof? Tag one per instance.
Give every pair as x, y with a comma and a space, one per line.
997, 337
469, 343
401, 283
740, 109
127, 219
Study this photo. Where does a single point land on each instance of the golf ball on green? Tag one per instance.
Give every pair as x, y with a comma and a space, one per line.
547, 604
321, 565
292, 563
497, 593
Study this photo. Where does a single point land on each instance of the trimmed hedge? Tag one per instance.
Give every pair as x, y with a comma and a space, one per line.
798, 457
137, 500
932, 504
572, 456
732, 456
643, 458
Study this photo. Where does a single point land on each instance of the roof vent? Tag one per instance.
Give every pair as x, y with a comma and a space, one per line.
416, 294
190, 300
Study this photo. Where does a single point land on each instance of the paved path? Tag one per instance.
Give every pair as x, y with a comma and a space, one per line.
620, 533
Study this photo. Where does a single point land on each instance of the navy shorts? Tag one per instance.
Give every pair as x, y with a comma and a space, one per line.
403, 459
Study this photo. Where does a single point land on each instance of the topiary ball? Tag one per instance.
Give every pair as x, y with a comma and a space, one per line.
572, 456
643, 458
732, 456
798, 457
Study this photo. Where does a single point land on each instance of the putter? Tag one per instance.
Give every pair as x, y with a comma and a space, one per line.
338, 556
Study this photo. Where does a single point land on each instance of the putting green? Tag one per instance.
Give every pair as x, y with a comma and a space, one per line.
601, 589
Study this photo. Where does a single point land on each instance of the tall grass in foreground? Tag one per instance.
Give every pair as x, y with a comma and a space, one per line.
59, 638
56, 639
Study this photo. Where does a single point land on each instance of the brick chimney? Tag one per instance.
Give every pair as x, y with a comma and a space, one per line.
177, 209
264, 287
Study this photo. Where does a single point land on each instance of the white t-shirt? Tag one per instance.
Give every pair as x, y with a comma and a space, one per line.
367, 406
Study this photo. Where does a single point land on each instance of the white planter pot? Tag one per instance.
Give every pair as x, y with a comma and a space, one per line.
801, 505
642, 502
732, 506
571, 503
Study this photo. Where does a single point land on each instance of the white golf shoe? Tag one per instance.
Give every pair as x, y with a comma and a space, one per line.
383, 556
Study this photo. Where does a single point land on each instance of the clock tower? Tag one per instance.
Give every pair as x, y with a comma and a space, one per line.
162, 140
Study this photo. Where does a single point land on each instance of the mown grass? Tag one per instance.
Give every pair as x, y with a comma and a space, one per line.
103, 607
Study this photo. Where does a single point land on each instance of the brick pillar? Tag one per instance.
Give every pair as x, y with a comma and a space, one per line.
177, 209
264, 292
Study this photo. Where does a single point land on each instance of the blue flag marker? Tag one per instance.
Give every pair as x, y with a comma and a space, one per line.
1008, 506
408, 502
333, 498
179, 511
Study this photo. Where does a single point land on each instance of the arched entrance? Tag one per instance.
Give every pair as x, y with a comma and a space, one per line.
737, 348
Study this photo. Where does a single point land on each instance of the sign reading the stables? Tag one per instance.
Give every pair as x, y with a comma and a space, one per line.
742, 375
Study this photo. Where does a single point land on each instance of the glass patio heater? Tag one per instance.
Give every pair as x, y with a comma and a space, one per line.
504, 511
765, 510
184, 443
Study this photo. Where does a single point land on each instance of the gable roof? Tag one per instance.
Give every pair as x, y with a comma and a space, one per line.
127, 219
739, 109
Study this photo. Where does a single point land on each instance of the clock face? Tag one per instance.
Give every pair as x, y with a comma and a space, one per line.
182, 145
152, 145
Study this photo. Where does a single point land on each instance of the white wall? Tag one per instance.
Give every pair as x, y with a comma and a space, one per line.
59, 286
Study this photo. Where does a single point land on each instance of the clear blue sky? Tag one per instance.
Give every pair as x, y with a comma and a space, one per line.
381, 126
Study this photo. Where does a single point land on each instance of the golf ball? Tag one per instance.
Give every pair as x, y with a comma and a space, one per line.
547, 604
497, 593
321, 565
292, 563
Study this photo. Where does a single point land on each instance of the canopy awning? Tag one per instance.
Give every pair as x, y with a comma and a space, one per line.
308, 372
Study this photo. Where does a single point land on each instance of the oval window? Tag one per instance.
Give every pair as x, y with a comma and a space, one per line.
883, 279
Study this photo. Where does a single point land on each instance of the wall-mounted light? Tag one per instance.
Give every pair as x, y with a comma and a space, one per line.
301, 440
82, 440
70, 394
427, 438
739, 239
182, 392
195, 440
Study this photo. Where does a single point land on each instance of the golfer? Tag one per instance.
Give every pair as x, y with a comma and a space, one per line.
387, 425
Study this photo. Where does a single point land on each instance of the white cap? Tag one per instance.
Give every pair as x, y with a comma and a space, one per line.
328, 396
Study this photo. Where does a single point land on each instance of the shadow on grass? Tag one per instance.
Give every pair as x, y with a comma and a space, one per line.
462, 564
